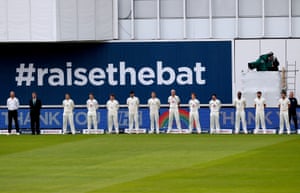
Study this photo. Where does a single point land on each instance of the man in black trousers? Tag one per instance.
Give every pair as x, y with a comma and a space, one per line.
293, 110
13, 106
35, 108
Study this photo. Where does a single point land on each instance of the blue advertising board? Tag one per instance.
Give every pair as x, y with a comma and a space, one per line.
52, 118
53, 69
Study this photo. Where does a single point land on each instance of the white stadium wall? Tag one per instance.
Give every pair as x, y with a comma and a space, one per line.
56, 20
287, 52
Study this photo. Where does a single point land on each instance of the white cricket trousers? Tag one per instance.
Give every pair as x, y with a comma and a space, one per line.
133, 117
174, 113
260, 118
68, 117
92, 118
154, 121
240, 116
194, 116
284, 118
113, 122
214, 122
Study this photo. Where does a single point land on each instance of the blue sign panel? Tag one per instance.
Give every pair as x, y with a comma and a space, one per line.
52, 118
53, 69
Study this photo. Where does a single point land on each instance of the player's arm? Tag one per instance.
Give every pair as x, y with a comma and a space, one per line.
178, 102
18, 104
73, 105
158, 103
117, 105
107, 104
97, 104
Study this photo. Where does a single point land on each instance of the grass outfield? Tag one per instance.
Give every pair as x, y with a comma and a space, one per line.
150, 164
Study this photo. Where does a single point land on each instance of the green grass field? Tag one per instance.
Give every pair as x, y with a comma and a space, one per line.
150, 164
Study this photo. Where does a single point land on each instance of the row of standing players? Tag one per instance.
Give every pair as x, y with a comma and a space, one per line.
287, 108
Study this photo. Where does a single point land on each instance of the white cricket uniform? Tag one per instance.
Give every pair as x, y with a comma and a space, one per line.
284, 115
260, 114
12, 104
133, 112
68, 115
214, 106
194, 105
174, 112
112, 115
154, 105
92, 106
240, 115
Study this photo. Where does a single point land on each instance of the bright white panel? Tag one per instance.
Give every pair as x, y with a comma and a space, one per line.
197, 28
104, 19
171, 29
145, 9
145, 29
43, 20
276, 8
124, 29
245, 51
250, 8
67, 20
250, 27
223, 28
171, 8
197, 8
86, 19
295, 8
223, 8
19, 20
296, 26
124, 9
3, 20
276, 27
269, 83
293, 47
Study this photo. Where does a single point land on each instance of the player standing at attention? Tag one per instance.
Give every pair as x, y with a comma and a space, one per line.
133, 111
214, 106
174, 102
68, 105
240, 115
154, 105
92, 106
260, 105
194, 105
13, 106
284, 104
112, 106
293, 110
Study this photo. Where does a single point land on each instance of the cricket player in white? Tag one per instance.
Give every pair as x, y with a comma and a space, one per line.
240, 105
284, 104
68, 116
174, 102
260, 105
214, 106
112, 106
154, 105
133, 112
194, 105
92, 106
